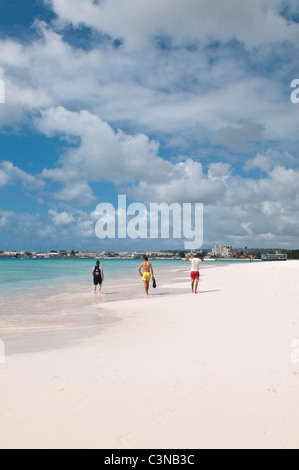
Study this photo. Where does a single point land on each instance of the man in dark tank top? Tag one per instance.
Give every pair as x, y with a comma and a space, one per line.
98, 276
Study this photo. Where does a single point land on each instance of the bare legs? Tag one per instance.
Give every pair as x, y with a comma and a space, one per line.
194, 285
146, 286
95, 289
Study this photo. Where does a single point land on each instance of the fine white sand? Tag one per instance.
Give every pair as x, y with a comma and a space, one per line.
213, 370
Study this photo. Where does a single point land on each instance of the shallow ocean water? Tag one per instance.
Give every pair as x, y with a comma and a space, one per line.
57, 295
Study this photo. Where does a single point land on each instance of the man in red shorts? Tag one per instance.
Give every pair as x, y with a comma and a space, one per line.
195, 262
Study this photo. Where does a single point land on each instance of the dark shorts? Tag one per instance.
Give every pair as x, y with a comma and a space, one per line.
97, 281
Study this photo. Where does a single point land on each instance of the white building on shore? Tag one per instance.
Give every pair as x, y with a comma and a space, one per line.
223, 251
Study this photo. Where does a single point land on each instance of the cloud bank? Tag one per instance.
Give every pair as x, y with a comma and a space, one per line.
166, 102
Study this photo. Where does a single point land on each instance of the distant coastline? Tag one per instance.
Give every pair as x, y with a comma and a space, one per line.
237, 254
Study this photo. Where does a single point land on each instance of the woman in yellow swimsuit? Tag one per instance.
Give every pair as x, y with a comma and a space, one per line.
147, 272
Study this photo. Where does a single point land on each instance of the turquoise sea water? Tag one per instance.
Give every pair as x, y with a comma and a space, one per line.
27, 274
57, 294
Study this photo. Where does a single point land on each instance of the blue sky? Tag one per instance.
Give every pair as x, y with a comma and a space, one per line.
162, 101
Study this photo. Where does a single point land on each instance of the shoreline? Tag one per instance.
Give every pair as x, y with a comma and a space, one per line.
73, 316
212, 370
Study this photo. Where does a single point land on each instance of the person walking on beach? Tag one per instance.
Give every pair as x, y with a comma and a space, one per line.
147, 272
98, 277
195, 262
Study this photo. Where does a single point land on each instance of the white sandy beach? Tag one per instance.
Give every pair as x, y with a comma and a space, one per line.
212, 370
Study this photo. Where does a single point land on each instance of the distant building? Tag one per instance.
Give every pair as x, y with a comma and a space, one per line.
86, 254
160, 254
223, 251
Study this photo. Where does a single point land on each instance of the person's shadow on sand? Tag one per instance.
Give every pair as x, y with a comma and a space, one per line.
208, 291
